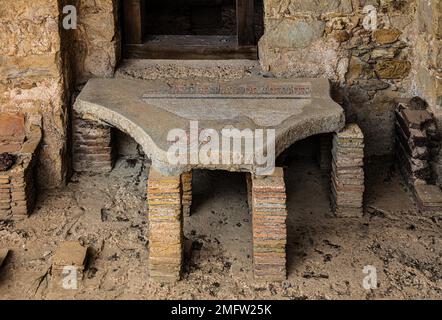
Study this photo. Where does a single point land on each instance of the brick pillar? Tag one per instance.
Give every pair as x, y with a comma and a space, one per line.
186, 181
348, 172
92, 149
165, 226
269, 226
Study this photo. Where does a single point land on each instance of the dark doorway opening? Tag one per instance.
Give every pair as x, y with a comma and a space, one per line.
192, 29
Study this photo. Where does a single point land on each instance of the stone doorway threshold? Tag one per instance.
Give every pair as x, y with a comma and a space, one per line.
220, 70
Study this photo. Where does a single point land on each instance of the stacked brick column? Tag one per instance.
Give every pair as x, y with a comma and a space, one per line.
165, 226
417, 141
414, 143
92, 151
186, 181
17, 193
348, 172
269, 226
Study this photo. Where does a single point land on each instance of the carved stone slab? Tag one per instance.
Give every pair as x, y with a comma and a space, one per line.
149, 110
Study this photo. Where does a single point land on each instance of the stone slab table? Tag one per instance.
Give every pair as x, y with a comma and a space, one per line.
148, 111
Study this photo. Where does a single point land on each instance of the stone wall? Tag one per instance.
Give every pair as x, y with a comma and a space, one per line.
97, 39
326, 38
33, 79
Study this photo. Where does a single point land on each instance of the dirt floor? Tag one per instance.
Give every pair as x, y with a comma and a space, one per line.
326, 255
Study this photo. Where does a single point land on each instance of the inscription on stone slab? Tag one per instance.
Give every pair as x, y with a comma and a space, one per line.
274, 90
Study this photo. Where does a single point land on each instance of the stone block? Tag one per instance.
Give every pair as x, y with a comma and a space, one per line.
393, 69
70, 253
386, 36
68, 265
12, 132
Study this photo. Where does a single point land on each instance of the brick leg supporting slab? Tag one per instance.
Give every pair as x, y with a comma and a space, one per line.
186, 181
269, 226
348, 172
165, 226
92, 150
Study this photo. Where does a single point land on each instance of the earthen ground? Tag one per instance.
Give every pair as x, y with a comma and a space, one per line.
326, 255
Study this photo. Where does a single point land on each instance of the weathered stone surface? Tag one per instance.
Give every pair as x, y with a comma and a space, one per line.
189, 70
142, 110
12, 129
386, 36
70, 253
429, 197
69, 260
294, 34
393, 69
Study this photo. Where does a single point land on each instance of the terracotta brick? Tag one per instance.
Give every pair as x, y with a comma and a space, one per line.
92, 146
165, 226
268, 199
12, 128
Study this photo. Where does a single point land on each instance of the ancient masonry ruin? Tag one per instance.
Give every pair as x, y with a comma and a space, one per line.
347, 71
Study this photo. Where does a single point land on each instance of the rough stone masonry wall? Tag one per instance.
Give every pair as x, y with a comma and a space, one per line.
325, 38
33, 79
97, 39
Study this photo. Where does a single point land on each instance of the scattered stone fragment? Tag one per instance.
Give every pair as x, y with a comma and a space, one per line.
68, 265
69, 253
